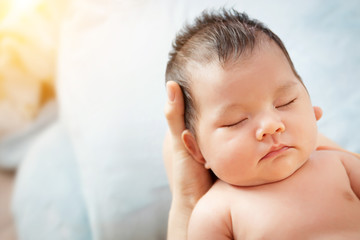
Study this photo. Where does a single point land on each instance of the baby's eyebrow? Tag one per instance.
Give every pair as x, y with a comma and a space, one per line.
223, 110
285, 87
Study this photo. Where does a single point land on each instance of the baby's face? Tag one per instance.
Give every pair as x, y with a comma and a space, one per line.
256, 122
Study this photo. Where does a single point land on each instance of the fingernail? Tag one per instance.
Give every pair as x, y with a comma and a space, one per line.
171, 95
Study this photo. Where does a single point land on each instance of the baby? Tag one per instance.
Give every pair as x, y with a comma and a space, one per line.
250, 120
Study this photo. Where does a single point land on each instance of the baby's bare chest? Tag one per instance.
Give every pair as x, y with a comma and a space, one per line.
313, 205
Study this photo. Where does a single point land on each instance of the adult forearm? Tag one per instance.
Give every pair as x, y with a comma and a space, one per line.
178, 222
326, 143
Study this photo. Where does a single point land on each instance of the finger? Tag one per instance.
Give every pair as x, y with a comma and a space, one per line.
318, 112
174, 109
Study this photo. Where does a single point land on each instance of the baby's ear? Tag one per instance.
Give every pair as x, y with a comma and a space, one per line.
192, 146
318, 112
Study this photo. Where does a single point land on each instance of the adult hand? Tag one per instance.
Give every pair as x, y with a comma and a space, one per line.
188, 179
324, 143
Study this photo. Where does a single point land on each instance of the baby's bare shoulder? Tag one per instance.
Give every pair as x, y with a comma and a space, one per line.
211, 217
331, 157
344, 168
217, 203
325, 161
348, 162
218, 196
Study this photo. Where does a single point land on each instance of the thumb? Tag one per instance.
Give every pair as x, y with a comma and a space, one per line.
174, 110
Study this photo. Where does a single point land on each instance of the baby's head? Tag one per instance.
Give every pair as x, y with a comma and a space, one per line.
249, 116
222, 38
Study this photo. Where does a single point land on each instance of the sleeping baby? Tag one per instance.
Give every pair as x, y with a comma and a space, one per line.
250, 121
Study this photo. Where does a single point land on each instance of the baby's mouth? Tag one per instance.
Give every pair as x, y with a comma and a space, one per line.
274, 151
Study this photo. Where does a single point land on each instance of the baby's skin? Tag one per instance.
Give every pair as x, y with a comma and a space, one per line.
306, 205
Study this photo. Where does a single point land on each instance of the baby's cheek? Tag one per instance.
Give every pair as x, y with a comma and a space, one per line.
234, 160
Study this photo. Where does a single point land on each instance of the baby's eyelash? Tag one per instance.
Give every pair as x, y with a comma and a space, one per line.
287, 104
234, 124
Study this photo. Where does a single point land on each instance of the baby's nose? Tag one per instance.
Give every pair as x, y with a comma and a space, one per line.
269, 126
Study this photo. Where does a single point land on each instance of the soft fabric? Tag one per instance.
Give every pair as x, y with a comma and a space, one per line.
48, 200
104, 157
14, 147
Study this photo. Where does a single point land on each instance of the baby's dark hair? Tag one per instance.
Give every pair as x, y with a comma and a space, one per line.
221, 36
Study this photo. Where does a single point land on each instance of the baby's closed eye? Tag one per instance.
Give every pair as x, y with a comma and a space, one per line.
236, 123
286, 104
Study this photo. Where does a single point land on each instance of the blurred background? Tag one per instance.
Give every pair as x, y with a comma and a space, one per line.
29, 31
81, 105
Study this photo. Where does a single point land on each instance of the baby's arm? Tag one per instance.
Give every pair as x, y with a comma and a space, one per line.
210, 220
351, 161
352, 166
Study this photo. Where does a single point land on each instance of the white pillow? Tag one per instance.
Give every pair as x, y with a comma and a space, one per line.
111, 93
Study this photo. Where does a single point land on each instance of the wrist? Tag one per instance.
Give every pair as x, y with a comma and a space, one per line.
179, 217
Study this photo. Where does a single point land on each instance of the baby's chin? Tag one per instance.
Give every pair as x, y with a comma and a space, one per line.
269, 177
